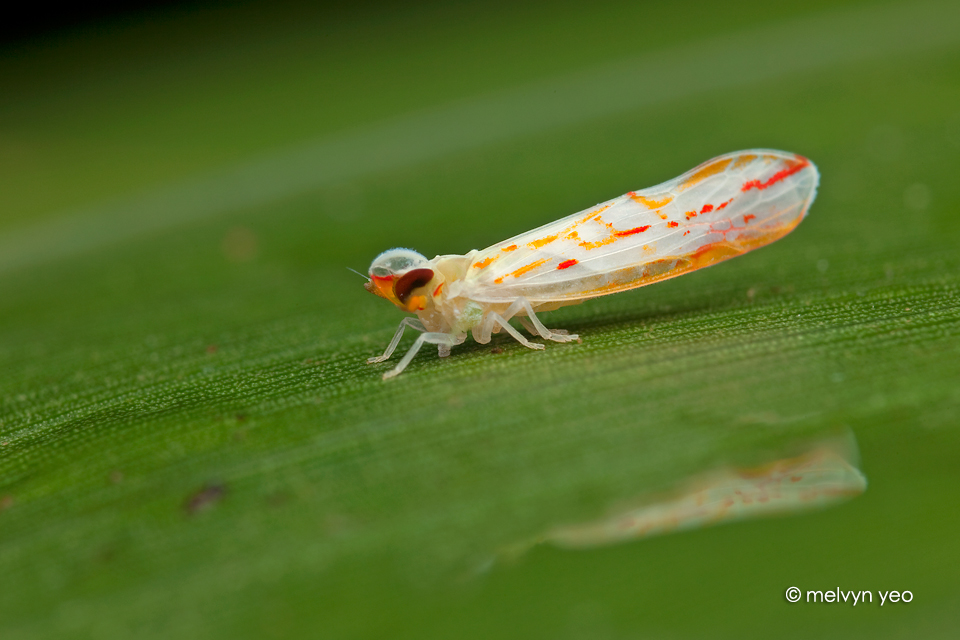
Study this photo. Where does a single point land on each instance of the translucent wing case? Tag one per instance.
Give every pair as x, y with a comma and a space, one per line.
723, 208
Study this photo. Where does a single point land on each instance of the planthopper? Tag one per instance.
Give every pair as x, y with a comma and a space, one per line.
721, 209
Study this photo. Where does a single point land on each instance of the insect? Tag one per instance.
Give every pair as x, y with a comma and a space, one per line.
723, 208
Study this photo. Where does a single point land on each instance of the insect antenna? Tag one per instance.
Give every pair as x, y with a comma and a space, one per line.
359, 274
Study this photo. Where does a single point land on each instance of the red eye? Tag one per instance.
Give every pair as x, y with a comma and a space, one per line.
411, 280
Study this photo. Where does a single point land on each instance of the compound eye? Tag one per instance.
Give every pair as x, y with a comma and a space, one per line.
411, 280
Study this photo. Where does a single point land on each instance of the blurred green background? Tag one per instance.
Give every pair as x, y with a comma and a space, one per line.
192, 446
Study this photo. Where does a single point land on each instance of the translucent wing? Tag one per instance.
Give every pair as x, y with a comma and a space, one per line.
721, 209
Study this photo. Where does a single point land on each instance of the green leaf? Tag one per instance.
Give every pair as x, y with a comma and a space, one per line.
191, 443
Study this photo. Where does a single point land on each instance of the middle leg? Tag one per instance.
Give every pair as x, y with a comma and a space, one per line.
492, 320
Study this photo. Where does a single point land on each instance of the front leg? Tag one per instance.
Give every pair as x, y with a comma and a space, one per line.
413, 323
431, 337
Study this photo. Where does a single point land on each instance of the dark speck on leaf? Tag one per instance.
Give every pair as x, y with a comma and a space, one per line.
116, 476
241, 417
6, 502
212, 348
205, 498
496, 350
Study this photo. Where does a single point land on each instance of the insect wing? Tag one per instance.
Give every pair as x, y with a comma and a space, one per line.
720, 209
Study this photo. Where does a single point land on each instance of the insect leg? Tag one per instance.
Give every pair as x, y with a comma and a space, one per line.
493, 319
444, 349
533, 330
431, 337
413, 323
533, 325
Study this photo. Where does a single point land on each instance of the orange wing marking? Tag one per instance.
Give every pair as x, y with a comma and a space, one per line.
536, 244
569, 233
589, 216
522, 270
485, 262
744, 160
512, 247
648, 203
711, 169
614, 234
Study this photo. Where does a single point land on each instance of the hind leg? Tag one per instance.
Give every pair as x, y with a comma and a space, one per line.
533, 330
532, 323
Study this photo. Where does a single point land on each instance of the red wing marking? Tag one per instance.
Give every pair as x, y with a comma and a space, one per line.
748, 217
793, 167
630, 232
673, 223
725, 204
566, 264
437, 290
707, 208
